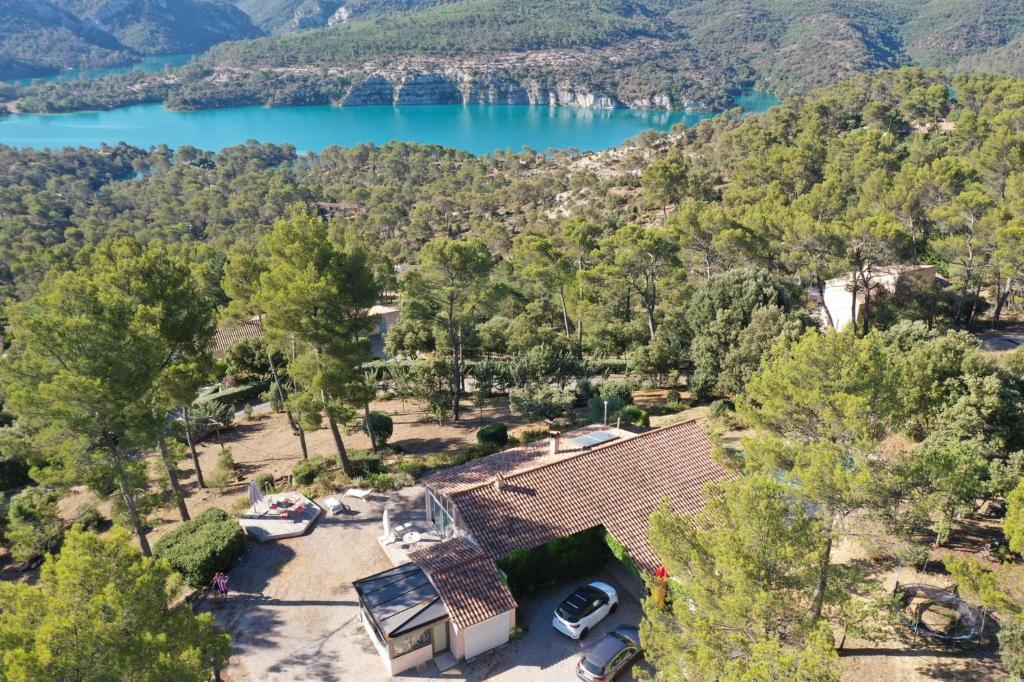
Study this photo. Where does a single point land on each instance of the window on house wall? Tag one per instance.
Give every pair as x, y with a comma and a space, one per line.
410, 641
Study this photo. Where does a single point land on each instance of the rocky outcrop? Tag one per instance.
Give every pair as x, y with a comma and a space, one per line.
454, 87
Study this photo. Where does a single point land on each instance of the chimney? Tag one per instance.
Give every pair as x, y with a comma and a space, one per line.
553, 443
499, 481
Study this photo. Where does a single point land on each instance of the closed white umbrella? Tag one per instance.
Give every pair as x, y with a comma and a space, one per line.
255, 494
387, 524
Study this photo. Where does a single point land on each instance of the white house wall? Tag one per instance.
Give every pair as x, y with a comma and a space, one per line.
489, 634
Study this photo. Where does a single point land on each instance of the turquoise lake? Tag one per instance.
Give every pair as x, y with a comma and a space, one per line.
474, 128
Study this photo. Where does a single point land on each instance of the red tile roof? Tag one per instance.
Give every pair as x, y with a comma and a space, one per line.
467, 580
616, 485
513, 460
229, 335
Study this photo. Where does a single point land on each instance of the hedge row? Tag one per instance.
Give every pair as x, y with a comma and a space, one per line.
235, 395
211, 542
560, 560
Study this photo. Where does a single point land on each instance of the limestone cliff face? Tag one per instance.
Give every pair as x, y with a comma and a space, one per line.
458, 87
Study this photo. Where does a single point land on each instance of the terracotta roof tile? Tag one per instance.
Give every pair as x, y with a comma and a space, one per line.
616, 485
513, 460
228, 336
467, 580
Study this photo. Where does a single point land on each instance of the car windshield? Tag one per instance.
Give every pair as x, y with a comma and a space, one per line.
592, 668
577, 604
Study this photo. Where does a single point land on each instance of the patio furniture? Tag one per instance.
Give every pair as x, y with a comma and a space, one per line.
411, 538
357, 492
334, 505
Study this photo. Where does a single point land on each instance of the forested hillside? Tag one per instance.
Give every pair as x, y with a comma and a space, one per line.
37, 37
162, 27
42, 37
695, 54
783, 45
289, 16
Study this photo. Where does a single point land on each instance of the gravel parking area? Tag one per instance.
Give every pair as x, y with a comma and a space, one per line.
543, 654
293, 614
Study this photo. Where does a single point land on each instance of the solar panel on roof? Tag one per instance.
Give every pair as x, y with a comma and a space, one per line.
589, 440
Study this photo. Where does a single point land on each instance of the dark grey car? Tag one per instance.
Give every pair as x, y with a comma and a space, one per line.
616, 652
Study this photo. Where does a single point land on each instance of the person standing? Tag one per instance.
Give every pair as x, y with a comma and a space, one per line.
220, 584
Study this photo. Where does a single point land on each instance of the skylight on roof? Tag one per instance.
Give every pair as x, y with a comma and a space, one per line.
589, 440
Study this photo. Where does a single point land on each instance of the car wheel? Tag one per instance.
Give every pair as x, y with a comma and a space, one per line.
583, 633
614, 606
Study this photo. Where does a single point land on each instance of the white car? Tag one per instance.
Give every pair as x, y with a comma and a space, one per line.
585, 608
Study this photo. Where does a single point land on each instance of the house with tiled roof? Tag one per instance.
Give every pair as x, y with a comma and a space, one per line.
525, 497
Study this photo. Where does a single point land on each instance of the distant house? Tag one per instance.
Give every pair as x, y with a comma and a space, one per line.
228, 335
522, 498
838, 299
386, 316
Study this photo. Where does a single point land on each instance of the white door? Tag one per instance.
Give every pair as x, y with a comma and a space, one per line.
439, 636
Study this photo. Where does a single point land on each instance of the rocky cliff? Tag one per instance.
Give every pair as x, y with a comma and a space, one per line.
453, 87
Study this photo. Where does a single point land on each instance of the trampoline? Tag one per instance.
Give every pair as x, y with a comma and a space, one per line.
938, 613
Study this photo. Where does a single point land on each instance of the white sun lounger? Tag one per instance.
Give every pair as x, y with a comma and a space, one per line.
334, 505
357, 492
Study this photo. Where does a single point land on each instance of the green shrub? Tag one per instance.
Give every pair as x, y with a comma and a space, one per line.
247, 360
595, 409
265, 482
615, 388
412, 467
211, 542
557, 561
88, 518
226, 461
204, 415
218, 478
33, 526
381, 427
673, 397
5, 505
380, 482
365, 463
607, 366
13, 474
538, 401
495, 433
619, 552
233, 396
402, 479
305, 470
718, 409
272, 396
631, 414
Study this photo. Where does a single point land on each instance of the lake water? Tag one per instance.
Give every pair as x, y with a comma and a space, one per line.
150, 64
475, 128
